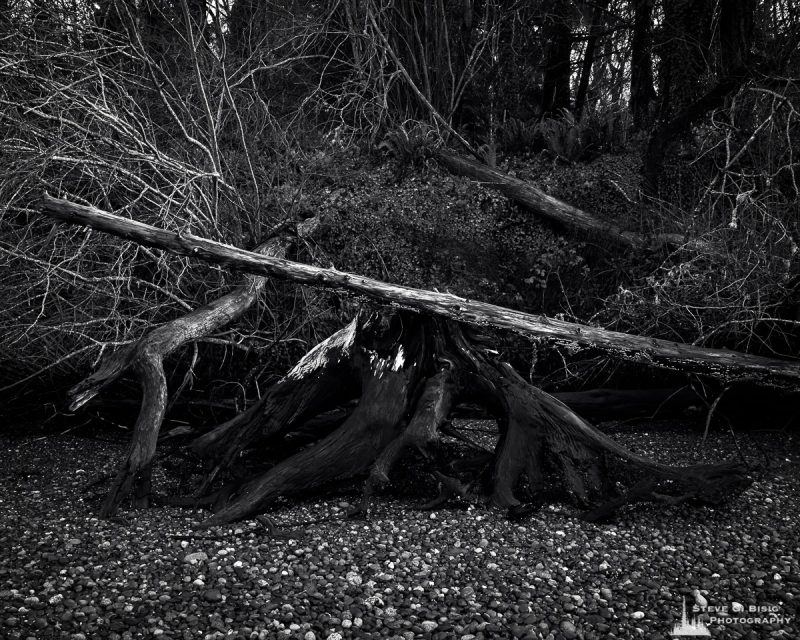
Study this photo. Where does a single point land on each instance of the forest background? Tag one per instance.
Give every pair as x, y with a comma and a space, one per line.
228, 120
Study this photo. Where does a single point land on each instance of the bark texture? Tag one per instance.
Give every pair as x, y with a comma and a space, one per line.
409, 372
643, 92
145, 358
548, 207
406, 372
598, 19
719, 363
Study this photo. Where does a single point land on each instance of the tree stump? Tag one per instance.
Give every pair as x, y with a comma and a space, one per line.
407, 372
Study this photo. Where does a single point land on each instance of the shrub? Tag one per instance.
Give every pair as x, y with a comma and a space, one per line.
737, 283
409, 145
573, 140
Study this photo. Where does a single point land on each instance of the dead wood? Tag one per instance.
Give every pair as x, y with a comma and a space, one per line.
719, 363
407, 370
413, 370
145, 358
550, 208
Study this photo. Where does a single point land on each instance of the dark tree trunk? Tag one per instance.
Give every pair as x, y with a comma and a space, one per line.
154, 26
735, 34
557, 49
247, 26
684, 53
462, 51
683, 103
666, 133
643, 92
112, 15
5, 16
598, 19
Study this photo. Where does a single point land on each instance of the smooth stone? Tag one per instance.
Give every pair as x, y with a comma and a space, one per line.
212, 595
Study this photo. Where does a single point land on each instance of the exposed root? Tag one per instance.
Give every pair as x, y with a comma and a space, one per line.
134, 474
387, 385
409, 372
146, 358
431, 411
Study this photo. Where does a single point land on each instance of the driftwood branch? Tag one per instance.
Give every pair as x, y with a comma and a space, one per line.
146, 358
715, 362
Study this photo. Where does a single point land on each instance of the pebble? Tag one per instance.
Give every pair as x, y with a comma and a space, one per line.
353, 578
212, 595
196, 557
569, 630
400, 574
428, 626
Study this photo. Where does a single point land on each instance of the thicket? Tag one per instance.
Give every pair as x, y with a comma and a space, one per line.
226, 120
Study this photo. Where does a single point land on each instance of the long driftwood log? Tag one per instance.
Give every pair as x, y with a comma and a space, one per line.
548, 207
718, 363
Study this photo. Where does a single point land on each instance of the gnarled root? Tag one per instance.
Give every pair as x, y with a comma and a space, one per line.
409, 372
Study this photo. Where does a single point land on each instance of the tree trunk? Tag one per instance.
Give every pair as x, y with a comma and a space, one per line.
735, 34
598, 19
557, 50
683, 62
667, 132
248, 28
683, 52
643, 92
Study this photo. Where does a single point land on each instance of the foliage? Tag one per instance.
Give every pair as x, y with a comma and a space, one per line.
229, 123
740, 292
409, 145
435, 231
573, 140
735, 284
518, 136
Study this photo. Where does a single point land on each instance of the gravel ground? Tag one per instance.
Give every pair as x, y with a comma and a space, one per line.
456, 573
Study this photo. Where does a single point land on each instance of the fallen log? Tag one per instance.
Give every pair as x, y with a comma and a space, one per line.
607, 404
719, 363
548, 207
591, 404
613, 404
